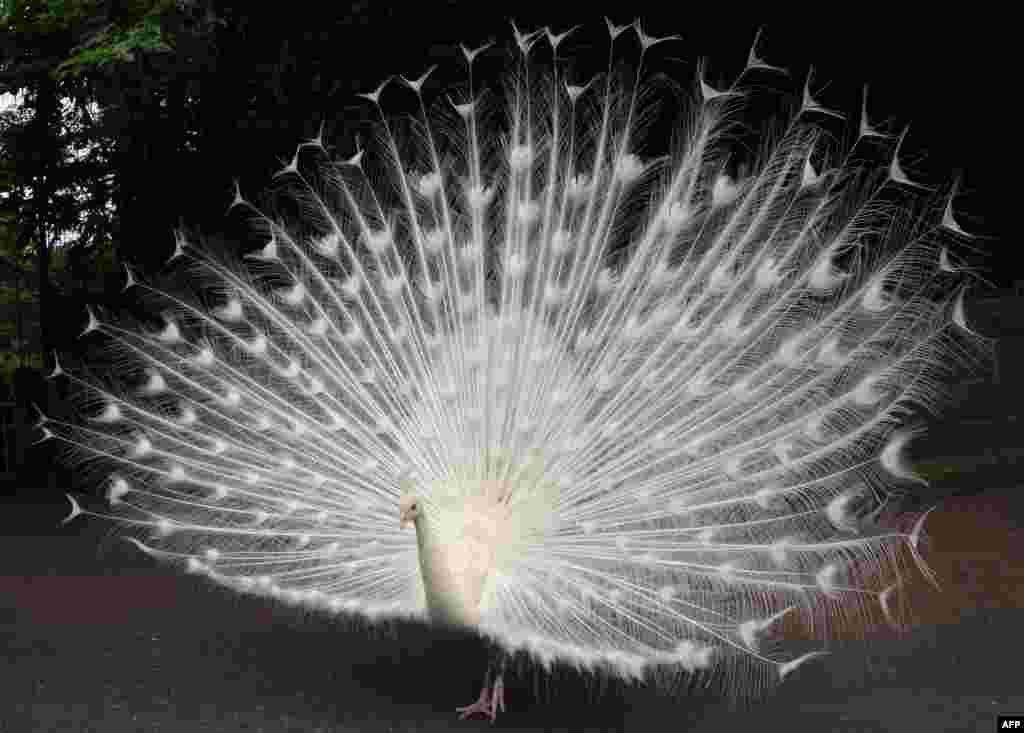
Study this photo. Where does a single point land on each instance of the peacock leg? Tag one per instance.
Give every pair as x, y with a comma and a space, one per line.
491, 697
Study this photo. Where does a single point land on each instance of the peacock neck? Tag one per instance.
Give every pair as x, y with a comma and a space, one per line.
453, 573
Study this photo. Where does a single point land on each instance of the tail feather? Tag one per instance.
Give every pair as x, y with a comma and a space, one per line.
691, 370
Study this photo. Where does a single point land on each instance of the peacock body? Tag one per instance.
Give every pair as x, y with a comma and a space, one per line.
622, 412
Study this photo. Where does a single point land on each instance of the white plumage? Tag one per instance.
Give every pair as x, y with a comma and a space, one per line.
636, 409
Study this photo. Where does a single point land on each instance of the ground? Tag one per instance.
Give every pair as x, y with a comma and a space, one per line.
101, 638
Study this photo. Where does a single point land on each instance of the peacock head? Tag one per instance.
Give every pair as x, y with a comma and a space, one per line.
408, 510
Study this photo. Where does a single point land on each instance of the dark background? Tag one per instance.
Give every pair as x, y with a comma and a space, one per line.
99, 637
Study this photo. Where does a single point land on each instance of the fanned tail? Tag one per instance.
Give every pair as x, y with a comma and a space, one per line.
690, 372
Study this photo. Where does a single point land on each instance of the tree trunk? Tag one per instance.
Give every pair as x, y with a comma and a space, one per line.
46, 145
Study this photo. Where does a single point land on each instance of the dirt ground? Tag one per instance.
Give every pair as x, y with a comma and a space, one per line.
101, 638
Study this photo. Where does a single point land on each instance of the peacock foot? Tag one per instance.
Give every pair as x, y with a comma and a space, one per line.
488, 703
